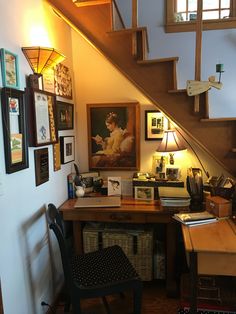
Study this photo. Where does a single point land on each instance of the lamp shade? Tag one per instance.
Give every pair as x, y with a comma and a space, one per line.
171, 142
41, 58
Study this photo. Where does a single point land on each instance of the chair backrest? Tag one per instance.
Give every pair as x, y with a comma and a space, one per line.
56, 224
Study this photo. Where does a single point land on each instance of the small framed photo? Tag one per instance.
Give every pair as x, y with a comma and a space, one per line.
144, 193
172, 174
63, 81
48, 81
67, 144
41, 166
155, 125
114, 185
88, 179
65, 115
10, 69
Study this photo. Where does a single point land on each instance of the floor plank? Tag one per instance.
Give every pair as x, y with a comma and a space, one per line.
154, 301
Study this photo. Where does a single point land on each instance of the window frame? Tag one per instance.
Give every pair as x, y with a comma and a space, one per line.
189, 26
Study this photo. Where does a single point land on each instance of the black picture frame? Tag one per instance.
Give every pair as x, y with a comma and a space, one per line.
65, 115
67, 144
41, 165
14, 129
155, 125
41, 106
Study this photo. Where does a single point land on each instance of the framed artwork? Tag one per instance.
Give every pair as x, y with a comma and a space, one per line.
114, 136
155, 125
65, 115
42, 118
67, 144
14, 129
48, 81
172, 174
114, 185
41, 166
56, 156
63, 81
10, 69
143, 193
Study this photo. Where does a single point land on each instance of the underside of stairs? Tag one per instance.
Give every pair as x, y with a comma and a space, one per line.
156, 79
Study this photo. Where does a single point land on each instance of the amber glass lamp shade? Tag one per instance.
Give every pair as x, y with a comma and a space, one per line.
41, 58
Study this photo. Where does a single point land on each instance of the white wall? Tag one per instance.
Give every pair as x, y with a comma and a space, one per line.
24, 256
217, 47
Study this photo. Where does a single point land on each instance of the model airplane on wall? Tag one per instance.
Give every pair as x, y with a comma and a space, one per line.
198, 87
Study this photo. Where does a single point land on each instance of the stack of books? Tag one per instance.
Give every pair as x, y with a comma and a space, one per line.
194, 219
175, 202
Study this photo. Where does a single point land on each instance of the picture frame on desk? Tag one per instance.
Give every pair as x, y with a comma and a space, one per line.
114, 136
155, 125
144, 193
172, 173
14, 129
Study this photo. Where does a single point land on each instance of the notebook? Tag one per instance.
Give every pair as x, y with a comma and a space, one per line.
101, 201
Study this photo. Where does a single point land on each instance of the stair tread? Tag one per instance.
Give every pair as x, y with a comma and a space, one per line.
158, 60
217, 119
127, 30
82, 3
175, 91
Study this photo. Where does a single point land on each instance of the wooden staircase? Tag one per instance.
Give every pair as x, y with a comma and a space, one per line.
156, 79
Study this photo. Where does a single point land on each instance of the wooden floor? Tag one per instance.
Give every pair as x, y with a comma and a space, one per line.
154, 301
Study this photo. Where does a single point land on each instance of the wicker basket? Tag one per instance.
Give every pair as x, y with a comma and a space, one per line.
136, 243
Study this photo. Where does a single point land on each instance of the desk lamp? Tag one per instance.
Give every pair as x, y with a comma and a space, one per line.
171, 143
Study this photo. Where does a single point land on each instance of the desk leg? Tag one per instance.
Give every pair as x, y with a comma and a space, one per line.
78, 238
193, 282
171, 235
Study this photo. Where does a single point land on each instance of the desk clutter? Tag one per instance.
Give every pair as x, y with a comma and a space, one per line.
136, 241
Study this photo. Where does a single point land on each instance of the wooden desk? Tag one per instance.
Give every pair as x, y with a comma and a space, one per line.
212, 251
131, 211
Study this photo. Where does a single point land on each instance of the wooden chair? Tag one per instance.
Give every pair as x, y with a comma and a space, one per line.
97, 274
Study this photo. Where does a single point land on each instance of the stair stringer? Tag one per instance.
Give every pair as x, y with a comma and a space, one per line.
153, 81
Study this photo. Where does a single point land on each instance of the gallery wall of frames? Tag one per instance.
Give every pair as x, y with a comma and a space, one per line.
32, 117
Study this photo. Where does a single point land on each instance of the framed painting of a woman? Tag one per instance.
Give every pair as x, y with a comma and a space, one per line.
114, 136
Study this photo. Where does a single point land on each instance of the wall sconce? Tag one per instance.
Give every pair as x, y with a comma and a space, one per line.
40, 59
171, 143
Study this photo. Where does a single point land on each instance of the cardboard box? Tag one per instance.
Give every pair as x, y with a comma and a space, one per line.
219, 206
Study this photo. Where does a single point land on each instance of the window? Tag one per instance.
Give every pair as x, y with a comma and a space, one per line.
216, 14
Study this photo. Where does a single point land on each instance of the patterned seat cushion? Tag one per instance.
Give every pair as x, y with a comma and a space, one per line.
101, 268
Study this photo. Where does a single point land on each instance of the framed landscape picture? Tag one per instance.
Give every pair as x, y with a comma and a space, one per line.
114, 136
65, 115
155, 125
